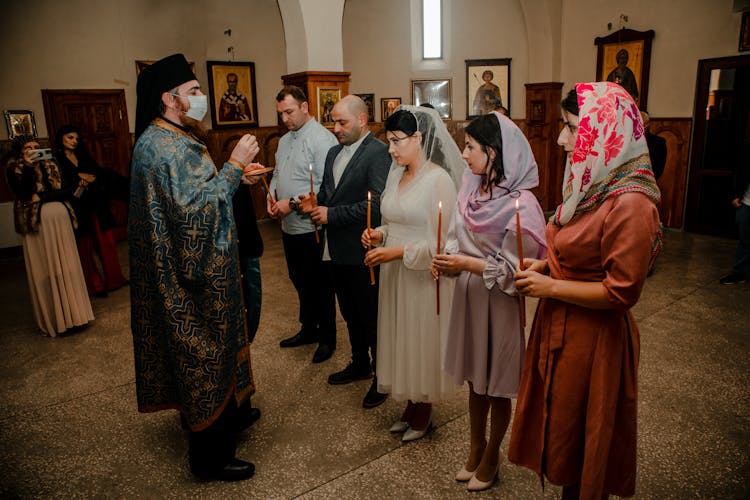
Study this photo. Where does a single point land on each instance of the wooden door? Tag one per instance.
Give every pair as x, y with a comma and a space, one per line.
721, 122
542, 128
102, 117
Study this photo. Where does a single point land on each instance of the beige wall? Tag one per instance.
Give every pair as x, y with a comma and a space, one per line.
548, 40
79, 44
377, 47
93, 44
686, 31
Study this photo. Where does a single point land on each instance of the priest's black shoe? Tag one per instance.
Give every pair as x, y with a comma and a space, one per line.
249, 417
297, 340
235, 470
349, 374
374, 398
322, 353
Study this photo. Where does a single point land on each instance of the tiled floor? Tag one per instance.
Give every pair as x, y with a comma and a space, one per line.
70, 428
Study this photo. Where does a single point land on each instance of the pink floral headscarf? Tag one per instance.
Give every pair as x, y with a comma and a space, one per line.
610, 155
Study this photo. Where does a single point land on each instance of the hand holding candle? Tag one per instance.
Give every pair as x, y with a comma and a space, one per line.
268, 189
519, 242
369, 212
312, 193
439, 226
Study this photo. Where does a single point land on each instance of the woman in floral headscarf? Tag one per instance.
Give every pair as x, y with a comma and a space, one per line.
575, 419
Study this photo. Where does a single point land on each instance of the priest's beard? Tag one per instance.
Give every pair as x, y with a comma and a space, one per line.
192, 125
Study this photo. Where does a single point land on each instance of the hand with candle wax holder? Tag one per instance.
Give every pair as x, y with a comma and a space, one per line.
249, 176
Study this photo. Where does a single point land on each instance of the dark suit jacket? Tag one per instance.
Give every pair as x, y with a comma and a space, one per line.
347, 203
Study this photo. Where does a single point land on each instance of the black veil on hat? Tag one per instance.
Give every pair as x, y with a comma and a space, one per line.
165, 74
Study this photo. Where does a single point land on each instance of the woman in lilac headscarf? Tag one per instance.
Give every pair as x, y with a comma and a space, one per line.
485, 343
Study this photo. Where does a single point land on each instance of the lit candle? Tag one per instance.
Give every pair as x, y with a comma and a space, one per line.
369, 208
311, 180
519, 242
439, 226
369, 211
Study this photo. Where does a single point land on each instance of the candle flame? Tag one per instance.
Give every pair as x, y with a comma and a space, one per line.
311, 168
440, 205
369, 196
516, 203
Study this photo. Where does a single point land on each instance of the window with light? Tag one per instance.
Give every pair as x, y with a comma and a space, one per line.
432, 29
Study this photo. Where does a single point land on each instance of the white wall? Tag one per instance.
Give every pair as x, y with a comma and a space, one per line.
80, 44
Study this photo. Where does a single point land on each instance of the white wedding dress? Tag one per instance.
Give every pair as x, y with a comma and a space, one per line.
410, 343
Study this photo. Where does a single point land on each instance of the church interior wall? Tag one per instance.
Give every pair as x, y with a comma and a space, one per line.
88, 44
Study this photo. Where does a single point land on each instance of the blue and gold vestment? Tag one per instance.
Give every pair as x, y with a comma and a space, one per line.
189, 337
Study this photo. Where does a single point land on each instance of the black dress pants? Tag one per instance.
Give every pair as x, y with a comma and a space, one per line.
358, 301
317, 302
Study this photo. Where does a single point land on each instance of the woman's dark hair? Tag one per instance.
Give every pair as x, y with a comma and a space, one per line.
403, 121
488, 134
81, 152
570, 103
20, 141
63, 131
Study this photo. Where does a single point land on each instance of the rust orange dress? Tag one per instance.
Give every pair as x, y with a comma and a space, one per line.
575, 419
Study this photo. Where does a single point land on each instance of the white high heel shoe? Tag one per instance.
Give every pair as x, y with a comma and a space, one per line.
477, 485
399, 426
464, 475
412, 434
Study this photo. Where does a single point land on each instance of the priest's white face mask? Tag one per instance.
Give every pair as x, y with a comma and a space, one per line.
198, 106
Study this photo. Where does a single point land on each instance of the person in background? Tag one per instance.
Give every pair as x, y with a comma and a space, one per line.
486, 339
95, 187
357, 166
575, 420
657, 147
250, 244
300, 156
425, 171
190, 344
741, 201
45, 219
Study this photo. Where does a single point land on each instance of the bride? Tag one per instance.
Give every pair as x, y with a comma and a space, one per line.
424, 175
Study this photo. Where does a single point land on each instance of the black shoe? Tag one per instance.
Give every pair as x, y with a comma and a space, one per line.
248, 418
349, 374
322, 353
297, 340
732, 279
235, 470
374, 398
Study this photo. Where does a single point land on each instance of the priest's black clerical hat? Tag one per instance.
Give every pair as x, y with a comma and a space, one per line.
155, 79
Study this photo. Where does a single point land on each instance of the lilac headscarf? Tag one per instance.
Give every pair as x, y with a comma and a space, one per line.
498, 213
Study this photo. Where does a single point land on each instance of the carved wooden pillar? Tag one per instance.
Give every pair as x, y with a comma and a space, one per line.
312, 81
542, 128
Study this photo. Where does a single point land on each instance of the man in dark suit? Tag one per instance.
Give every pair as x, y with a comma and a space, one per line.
357, 165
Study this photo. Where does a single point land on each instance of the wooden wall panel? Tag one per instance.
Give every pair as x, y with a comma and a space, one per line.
673, 182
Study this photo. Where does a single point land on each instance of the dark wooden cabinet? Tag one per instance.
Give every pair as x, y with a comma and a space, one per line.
542, 128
